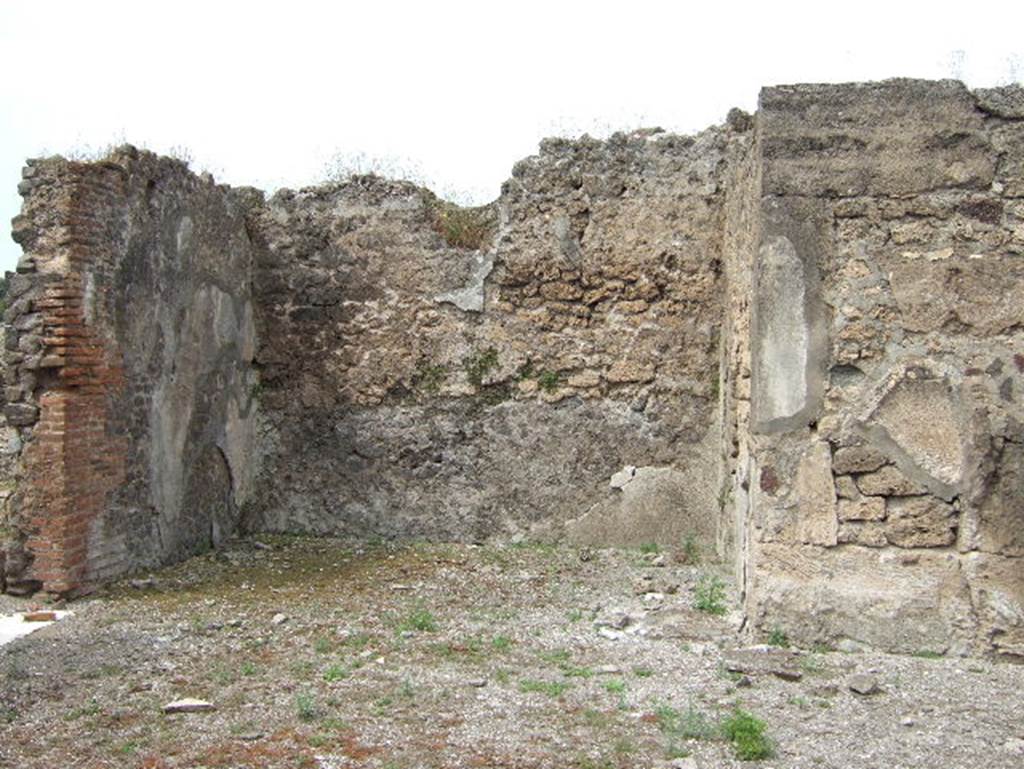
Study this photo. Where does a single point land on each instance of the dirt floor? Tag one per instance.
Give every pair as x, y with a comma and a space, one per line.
318, 653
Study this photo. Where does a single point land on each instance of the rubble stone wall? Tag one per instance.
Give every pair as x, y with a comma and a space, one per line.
419, 385
794, 340
130, 331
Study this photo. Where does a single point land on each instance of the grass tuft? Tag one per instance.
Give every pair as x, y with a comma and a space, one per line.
709, 595
746, 732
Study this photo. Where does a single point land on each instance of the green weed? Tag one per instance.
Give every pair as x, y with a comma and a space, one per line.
709, 595
550, 688
336, 673
548, 381
479, 365
778, 638
746, 732
691, 550
418, 620
306, 708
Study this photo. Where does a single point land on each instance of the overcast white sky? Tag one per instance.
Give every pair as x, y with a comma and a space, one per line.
267, 93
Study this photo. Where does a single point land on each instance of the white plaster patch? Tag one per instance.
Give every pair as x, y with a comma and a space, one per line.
624, 476
470, 298
15, 626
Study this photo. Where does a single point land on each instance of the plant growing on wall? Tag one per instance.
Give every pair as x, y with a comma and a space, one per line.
479, 365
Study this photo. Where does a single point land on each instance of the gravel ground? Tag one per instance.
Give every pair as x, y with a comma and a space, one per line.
319, 653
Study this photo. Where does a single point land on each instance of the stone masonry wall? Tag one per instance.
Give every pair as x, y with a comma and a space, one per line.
129, 335
796, 339
419, 386
887, 333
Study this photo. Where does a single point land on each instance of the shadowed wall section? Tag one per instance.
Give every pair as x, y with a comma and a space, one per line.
130, 331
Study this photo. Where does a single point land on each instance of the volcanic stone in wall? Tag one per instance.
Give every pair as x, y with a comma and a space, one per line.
419, 384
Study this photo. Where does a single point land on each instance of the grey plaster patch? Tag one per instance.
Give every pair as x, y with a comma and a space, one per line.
782, 363
470, 297
789, 344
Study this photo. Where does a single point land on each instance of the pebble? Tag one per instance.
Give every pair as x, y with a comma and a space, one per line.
279, 619
908, 722
607, 670
189, 705
863, 684
618, 620
1014, 745
612, 635
477, 682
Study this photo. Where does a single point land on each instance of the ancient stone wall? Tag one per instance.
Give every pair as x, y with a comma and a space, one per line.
129, 337
795, 339
887, 353
431, 372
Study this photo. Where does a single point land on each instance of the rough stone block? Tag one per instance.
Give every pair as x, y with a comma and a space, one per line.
1001, 512
816, 497
862, 509
864, 533
896, 137
920, 522
21, 414
888, 482
857, 459
997, 590
870, 596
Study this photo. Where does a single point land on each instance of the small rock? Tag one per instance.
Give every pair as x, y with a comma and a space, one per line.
143, 584
644, 584
279, 619
689, 762
863, 684
607, 670
189, 705
401, 588
659, 560
39, 616
1014, 745
612, 635
621, 478
849, 646
788, 674
907, 722
261, 545
251, 736
24, 589
618, 620
744, 682
478, 683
